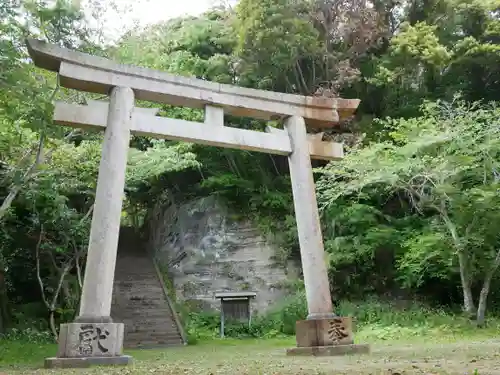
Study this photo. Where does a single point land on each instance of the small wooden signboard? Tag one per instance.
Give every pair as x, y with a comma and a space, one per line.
234, 306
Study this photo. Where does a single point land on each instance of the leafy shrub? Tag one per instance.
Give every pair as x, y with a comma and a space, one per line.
201, 326
373, 319
28, 335
277, 322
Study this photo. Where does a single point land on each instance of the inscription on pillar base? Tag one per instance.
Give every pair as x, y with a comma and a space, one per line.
324, 332
87, 344
326, 337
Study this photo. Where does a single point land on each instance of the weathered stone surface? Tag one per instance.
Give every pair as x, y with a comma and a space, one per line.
97, 289
324, 332
208, 250
83, 340
123, 360
312, 254
96, 74
328, 351
144, 122
326, 337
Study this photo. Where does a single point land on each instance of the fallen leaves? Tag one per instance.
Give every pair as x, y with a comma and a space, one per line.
262, 358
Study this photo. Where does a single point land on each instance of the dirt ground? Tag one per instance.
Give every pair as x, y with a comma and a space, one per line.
268, 358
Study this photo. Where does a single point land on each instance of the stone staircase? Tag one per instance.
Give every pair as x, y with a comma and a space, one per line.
139, 299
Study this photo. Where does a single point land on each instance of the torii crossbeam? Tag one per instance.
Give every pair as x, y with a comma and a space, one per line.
322, 333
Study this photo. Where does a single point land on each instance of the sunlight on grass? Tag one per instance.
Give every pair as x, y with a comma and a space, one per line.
412, 340
267, 356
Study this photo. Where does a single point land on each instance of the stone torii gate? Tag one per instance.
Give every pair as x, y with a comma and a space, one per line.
94, 338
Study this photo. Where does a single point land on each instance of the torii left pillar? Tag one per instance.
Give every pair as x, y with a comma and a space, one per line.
94, 339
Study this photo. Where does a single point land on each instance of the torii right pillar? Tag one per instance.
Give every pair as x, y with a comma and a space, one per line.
322, 333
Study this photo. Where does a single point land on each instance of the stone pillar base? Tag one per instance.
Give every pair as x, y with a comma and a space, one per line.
329, 351
326, 337
88, 344
54, 362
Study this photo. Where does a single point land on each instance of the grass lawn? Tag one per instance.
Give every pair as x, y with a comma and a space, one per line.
478, 353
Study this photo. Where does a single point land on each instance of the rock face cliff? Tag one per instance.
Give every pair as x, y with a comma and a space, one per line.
207, 250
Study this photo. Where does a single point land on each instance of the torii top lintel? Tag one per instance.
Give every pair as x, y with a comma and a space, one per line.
95, 74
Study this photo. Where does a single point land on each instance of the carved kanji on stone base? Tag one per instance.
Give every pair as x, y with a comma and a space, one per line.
83, 344
324, 332
86, 340
331, 336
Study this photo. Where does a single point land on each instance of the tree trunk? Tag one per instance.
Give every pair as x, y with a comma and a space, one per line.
51, 307
468, 306
463, 262
481, 308
483, 296
4, 303
52, 324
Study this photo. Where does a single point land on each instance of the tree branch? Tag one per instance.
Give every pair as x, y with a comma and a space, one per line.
16, 188
62, 275
79, 271
37, 258
89, 212
52, 307
302, 79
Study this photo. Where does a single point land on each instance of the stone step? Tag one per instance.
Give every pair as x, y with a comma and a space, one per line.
125, 273
139, 289
158, 339
138, 336
150, 327
144, 304
145, 325
134, 336
136, 280
146, 321
136, 317
132, 263
131, 302
140, 303
164, 337
153, 344
140, 278
137, 259
146, 314
149, 311
149, 323
148, 331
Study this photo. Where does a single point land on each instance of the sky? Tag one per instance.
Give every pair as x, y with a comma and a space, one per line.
153, 11
146, 12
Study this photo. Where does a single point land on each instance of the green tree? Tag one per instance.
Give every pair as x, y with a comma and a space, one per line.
445, 164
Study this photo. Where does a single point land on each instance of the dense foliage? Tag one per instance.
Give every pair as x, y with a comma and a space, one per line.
410, 212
